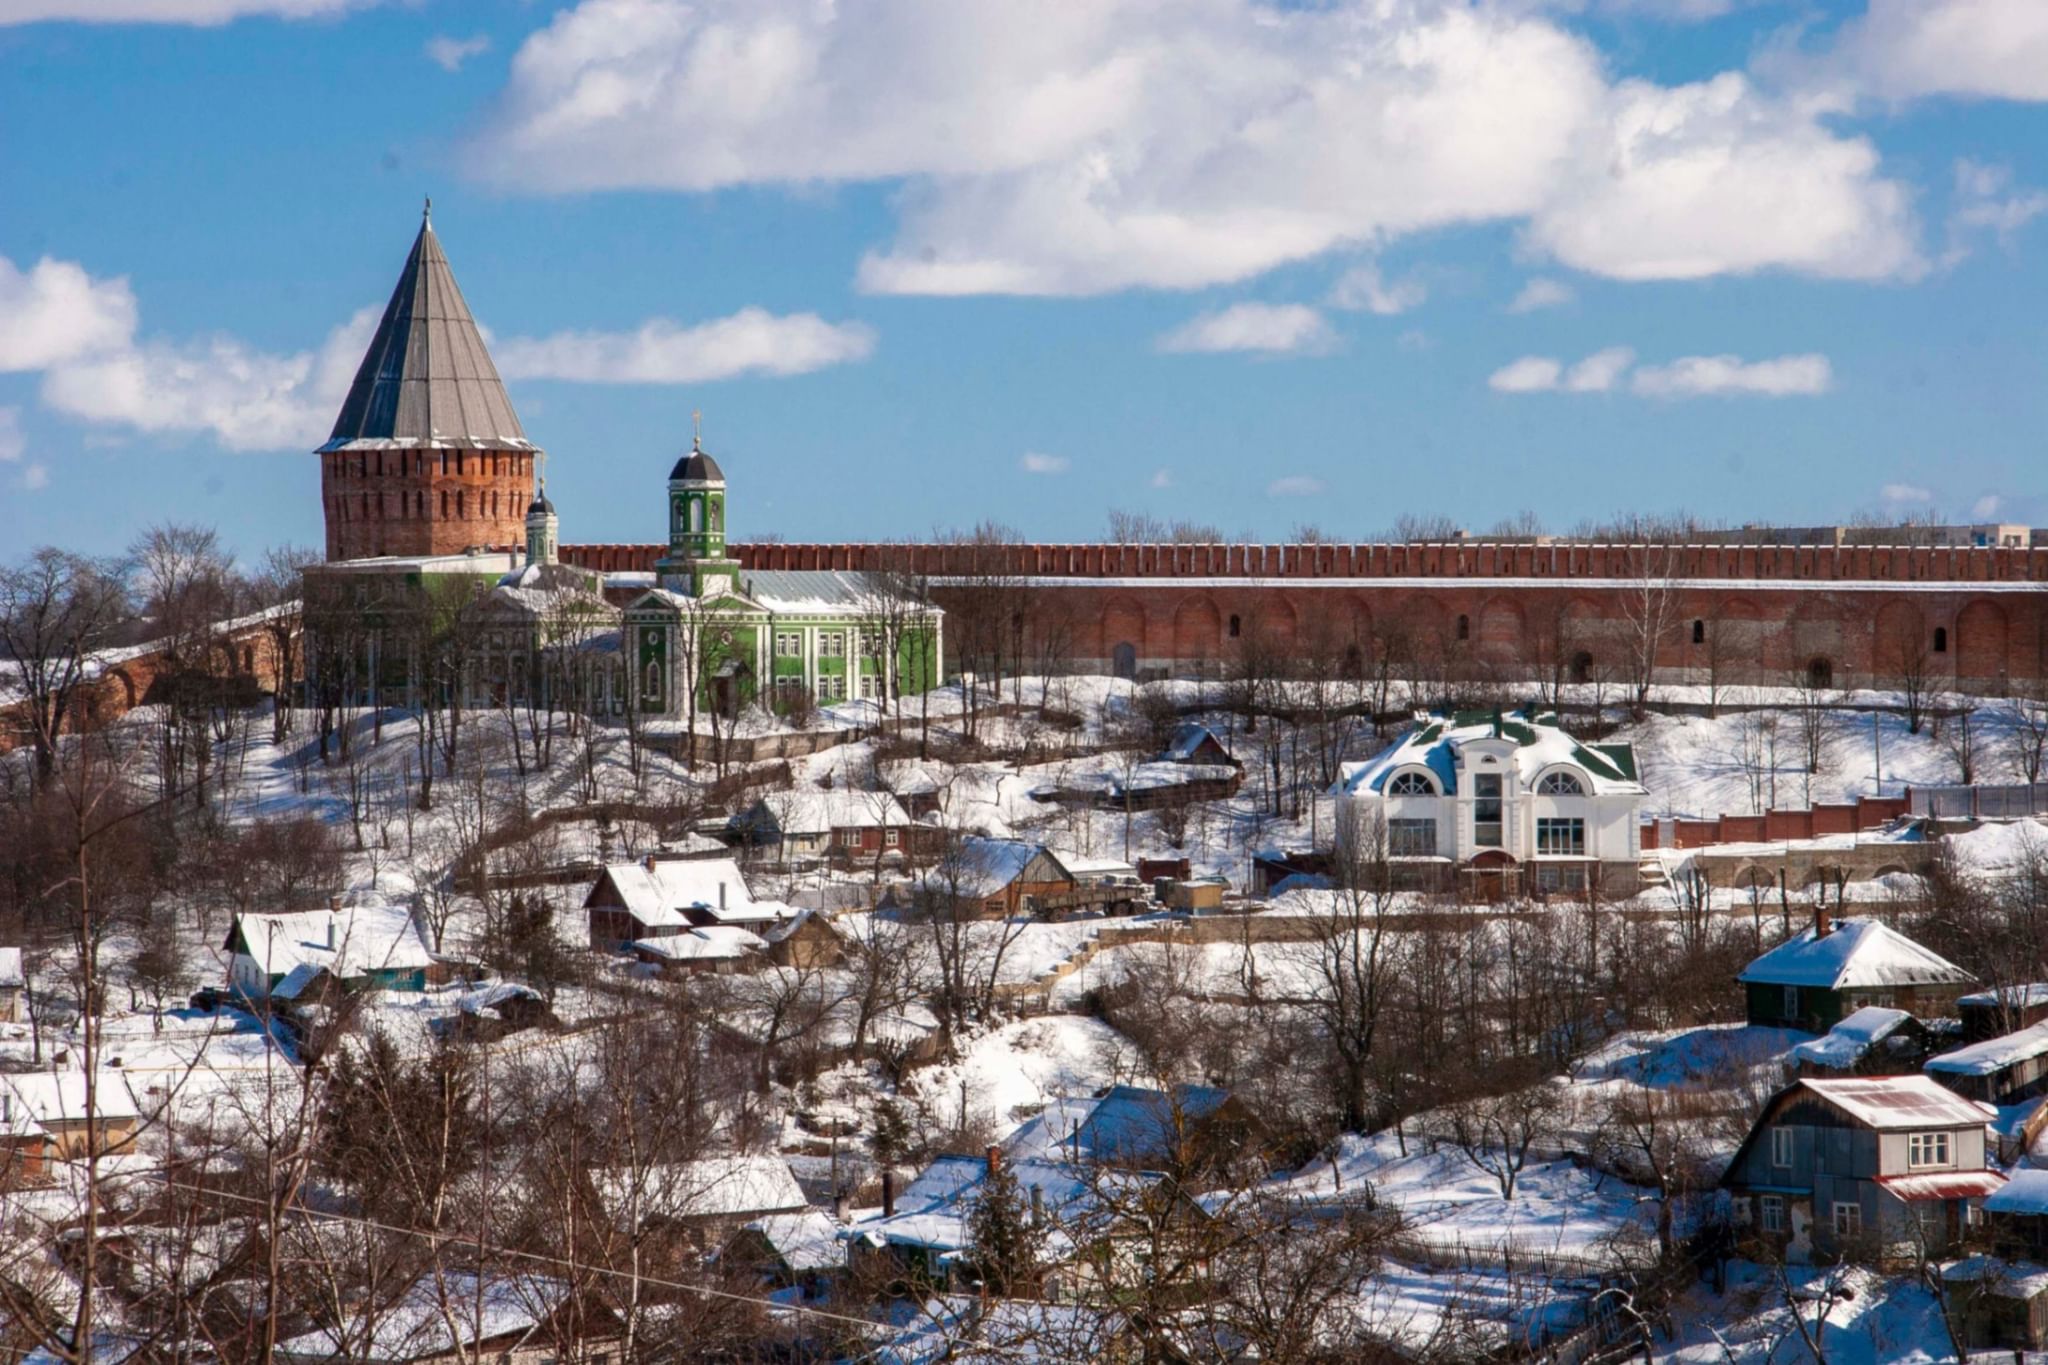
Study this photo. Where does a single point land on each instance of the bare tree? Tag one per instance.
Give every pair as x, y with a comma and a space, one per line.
56, 611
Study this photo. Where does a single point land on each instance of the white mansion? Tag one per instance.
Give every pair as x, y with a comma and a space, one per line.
1507, 800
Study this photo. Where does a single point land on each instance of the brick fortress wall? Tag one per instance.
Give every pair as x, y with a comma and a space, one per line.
1976, 616
423, 502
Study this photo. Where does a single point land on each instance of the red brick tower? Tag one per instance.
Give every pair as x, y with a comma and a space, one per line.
427, 456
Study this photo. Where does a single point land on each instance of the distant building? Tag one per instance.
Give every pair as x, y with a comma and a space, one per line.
13, 985
1870, 1168
1193, 742
360, 947
993, 879
655, 899
1505, 802
842, 825
44, 1118
1821, 975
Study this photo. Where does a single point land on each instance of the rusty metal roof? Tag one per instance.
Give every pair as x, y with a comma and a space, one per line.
427, 379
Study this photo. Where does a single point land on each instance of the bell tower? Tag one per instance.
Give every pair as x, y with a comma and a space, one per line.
696, 522
427, 456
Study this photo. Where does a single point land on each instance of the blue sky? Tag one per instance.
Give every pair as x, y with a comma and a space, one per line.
919, 265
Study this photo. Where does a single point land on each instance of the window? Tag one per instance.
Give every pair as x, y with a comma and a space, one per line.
1560, 876
1791, 1002
832, 643
1699, 632
789, 644
1464, 627
1233, 627
1410, 784
1941, 639
1561, 784
1770, 1213
1561, 838
1486, 810
871, 644
1411, 838
891, 837
1848, 1220
1781, 1148
1928, 1149
832, 687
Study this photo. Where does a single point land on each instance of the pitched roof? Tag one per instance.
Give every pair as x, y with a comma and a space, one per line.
37, 1099
364, 938
1854, 953
2026, 1192
726, 1186
1540, 745
814, 811
979, 868
805, 1241
711, 943
936, 1212
657, 897
1891, 1103
426, 379
415, 1325
1126, 1124
1845, 1043
1993, 1054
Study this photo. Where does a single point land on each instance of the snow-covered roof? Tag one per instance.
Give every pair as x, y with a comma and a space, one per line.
1538, 746
2025, 1192
1845, 1043
39, 1099
493, 995
782, 929
2031, 995
1187, 738
10, 969
815, 811
1126, 1124
657, 896
708, 943
823, 592
350, 942
805, 1241
1854, 953
1892, 1103
979, 867
2004, 1279
419, 1322
728, 1186
937, 1210
1993, 1054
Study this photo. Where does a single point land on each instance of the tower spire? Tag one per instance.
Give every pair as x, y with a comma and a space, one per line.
427, 212
697, 429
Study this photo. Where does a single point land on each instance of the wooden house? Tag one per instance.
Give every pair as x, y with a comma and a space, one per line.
44, 1118
841, 826
2000, 1304
688, 1208
708, 950
459, 1318
1189, 1129
993, 879
809, 940
659, 898
361, 947
799, 1249
1865, 1168
1193, 742
2003, 1070
1828, 971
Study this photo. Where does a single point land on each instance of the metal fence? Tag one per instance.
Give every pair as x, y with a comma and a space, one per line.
1981, 802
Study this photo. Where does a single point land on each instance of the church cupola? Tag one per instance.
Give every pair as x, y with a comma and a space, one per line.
696, 503
542, 528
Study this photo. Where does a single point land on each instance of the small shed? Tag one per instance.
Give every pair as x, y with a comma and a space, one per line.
1194, 742
809, 940
1833, 968
700, 951
2003, 1009
2003, 1070
801, 1249
2003, 1304
1874, 1041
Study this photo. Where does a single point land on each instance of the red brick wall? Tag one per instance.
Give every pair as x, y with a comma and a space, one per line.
423, 502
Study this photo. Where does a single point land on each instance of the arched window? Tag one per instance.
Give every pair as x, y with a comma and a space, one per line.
653, 685
1941, 639
718, 516
1233, 627
1464, 627
1699, 632
1410, 784
1560, 784
696, 515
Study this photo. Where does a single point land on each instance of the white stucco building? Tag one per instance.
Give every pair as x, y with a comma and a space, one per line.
1506, 801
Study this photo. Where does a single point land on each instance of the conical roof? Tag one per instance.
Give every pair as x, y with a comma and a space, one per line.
427, 379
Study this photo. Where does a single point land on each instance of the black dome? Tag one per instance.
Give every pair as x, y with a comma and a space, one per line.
697, 467
540, 503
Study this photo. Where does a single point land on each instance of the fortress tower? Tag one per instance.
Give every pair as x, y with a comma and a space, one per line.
427, 456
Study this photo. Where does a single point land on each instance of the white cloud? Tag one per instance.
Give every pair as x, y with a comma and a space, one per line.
35, 477
751, 341
1295, 486
1362, 287
1598, 372
1906, 494
450, 53
245, 398
1986, 201
1162, 478
1985, 48
1542, 292
1077, 149
200, 12
1033, 462
55, 311
1530, 374
1985, 508
1699, 376
1273, 328
12, 443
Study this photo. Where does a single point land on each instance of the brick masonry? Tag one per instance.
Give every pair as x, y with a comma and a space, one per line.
423, 502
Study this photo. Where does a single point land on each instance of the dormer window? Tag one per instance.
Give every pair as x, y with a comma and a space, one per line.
1410, 784
1924, 1150
1560, 784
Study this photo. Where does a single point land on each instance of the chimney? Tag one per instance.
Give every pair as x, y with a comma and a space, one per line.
1037, 1207
840, 1212
721, 898
648, 862
331, 917
334, 902
888, 1193
1820, 921
995, 1159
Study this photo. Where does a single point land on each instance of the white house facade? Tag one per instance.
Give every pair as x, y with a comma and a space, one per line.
1504, 802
